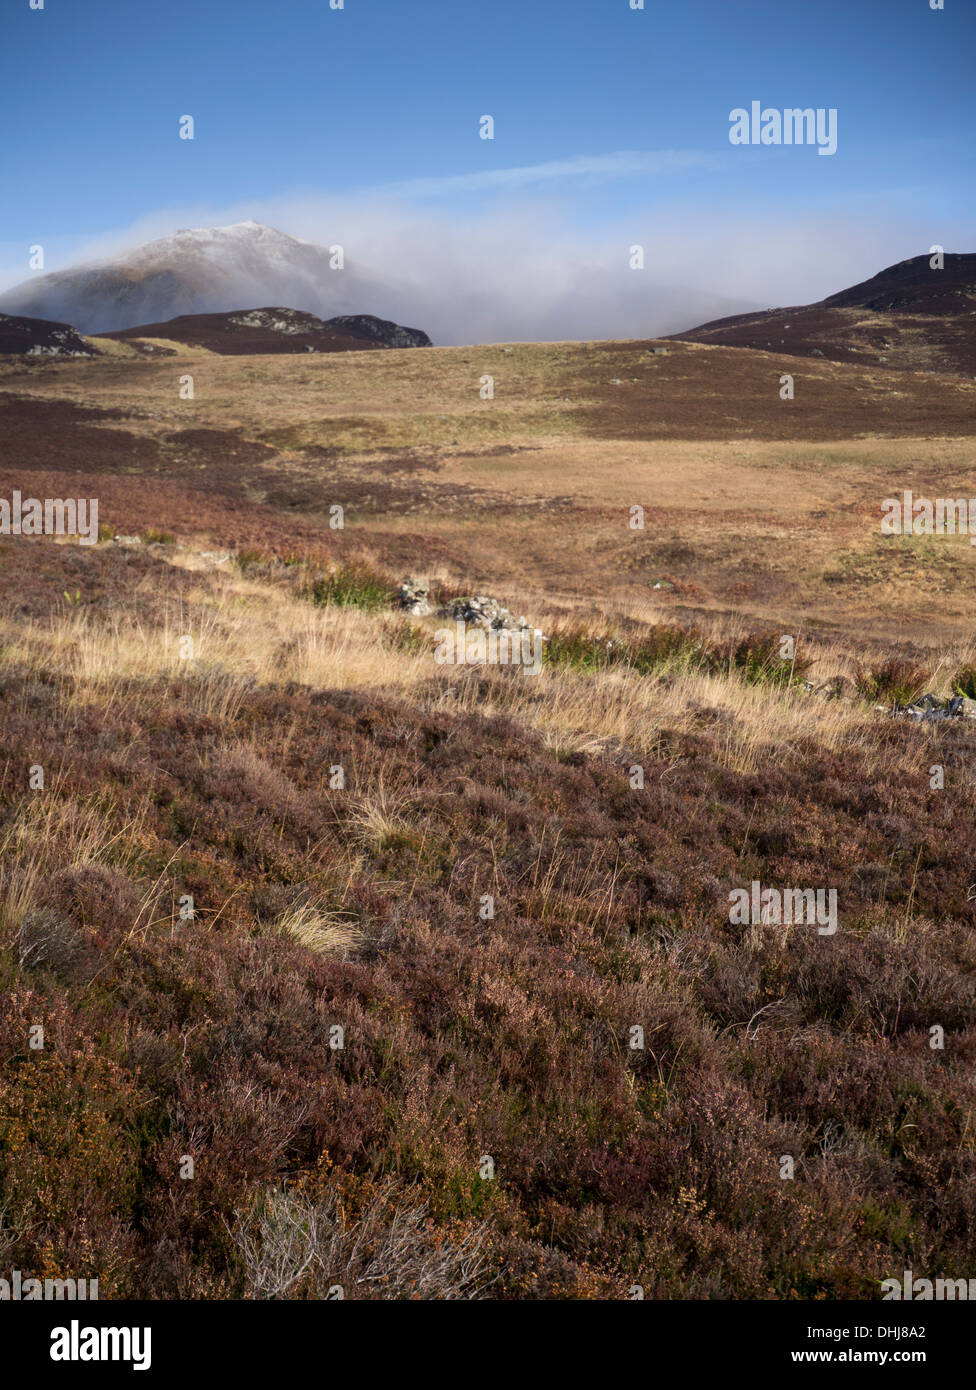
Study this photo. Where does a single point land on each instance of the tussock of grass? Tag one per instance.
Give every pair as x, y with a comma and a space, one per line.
326, 932
378, 821
661, 647
758, 659
77, 833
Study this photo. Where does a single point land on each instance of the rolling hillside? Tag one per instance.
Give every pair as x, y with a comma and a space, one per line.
909, 317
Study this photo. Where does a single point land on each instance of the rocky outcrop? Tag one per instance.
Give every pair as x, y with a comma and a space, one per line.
291, 321
391, 335
42, 338
473, 610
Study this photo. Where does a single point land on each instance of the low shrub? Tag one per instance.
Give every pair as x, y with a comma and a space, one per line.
656, 648
407, 637
759, 660
353, 585
896, 681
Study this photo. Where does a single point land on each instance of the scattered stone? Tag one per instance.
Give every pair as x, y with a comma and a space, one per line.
127, 540
215, 557
663, 584
929, 707
413, 597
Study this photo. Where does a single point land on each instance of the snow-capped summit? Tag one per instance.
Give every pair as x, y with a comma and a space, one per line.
194, 271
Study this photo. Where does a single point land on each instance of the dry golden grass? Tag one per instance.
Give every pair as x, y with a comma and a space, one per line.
378, 821
326, 932
229, 630
247, 630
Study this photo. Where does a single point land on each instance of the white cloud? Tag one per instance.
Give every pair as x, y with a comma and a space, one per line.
621, 164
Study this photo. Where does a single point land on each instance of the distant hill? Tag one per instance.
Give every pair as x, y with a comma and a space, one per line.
41, 338
277, 330
909, 316
202, 271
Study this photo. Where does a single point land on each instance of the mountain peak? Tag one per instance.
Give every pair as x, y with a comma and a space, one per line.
234, 233
196, 270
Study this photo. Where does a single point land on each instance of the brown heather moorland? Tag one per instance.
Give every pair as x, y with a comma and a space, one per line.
320, 906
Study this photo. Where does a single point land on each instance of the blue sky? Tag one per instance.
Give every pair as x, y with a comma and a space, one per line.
617, 120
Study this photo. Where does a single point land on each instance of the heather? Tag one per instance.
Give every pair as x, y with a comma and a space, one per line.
359, 905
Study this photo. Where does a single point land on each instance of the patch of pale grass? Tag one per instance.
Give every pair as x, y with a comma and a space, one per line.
225, 634
233, 631
584, 711
346, 649
326, 932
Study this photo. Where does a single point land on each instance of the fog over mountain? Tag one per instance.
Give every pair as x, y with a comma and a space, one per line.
204, 270
249, 264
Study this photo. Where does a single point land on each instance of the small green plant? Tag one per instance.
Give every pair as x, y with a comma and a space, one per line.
73, 599
662, 645
578, 649
153, 537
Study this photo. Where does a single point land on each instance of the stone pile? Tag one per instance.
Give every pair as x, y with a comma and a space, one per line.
479, 610
928, 707
413, 596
